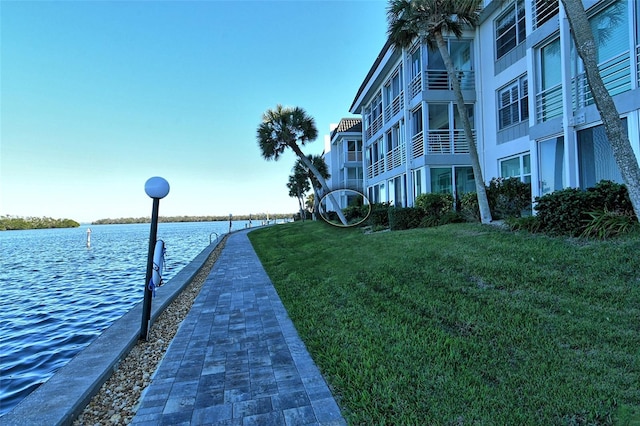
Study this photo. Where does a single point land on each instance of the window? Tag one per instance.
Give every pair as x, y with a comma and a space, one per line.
510, 29
416, 120
415, 63
519, 167
549, 97
461, 56
595, 157
354, 150
417, 179
610, 31
551, 165
513, 103
441, 182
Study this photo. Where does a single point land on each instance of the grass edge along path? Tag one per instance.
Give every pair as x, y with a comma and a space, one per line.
465, 323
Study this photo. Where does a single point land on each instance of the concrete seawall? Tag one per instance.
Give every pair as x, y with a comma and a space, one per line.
62, 398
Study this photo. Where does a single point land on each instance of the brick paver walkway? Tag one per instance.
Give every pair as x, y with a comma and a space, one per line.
237, 358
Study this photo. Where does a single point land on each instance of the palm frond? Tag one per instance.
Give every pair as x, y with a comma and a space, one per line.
411, 19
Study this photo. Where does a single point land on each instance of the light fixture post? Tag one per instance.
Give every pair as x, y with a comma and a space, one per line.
156, 188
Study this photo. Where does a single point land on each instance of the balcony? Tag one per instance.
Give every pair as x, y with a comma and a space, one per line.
355, 184
543, 10
616, 76
638, 63
417, 145
415, 86
354, 156
440, 142
392, 159
439, 80
549, 103
373, 128
394, 107
448, 142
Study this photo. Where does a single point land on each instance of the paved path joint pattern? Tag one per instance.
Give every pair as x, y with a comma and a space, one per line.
237, 358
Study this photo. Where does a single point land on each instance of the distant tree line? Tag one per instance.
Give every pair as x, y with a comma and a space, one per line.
166, 219
11, 223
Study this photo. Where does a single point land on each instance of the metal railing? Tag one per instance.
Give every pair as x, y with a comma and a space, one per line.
415, 86
374, 127
354, 155
616, 76
395, 157
439, 80
392, 159
376, 168
440, 142
355, 184
549, 103
448, 142
638, 63
417, 145
394, 107
543, 10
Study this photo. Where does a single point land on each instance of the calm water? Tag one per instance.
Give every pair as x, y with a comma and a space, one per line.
58, 294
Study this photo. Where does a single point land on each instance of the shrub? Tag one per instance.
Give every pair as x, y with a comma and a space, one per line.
468, 207
570, 211
508, 197
606, 224
404, 218
434, 204
379, 216
355, 213
563, 211
611, 196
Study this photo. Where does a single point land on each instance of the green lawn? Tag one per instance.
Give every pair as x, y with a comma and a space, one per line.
464, 324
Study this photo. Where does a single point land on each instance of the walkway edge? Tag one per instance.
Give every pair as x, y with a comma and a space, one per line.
64, 396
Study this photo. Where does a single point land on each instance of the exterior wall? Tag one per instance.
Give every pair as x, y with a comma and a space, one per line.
523, 128
343, 155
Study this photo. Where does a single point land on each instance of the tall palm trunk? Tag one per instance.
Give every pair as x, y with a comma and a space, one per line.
321, 181
481, 190
619, 141
302, 213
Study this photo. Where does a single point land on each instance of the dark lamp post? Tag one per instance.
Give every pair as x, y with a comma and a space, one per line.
156, 188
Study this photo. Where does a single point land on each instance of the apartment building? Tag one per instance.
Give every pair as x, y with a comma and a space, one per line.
343, 155
525, 91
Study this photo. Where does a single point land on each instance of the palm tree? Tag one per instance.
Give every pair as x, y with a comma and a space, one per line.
320, 165
618, 139
285, 127
298, 186
428, 20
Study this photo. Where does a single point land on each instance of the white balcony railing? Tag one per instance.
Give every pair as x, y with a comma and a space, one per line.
415, 86
374, 127
439, 80
394, 107
549, 103
354, 155
543, 10
638, 63
440, 142
375, 169
448, 142
417, 145
616, 76
355, 184
395, 157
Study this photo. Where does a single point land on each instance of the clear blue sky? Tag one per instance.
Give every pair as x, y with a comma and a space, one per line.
98, 96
